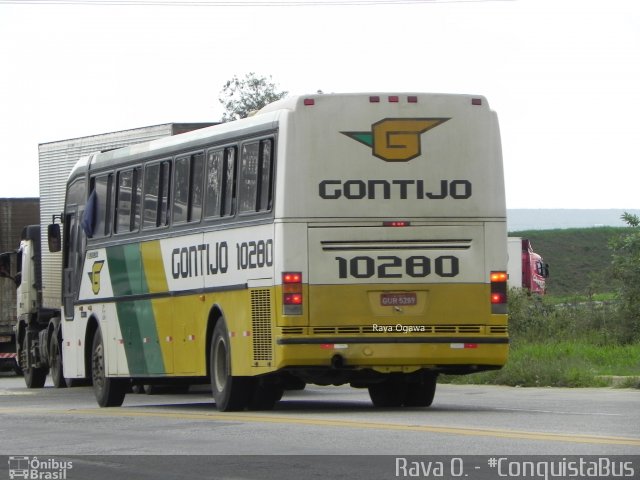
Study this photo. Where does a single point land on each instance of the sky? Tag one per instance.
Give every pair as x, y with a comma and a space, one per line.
563, 75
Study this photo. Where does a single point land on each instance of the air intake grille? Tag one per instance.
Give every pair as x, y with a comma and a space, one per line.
498, 329
261, 324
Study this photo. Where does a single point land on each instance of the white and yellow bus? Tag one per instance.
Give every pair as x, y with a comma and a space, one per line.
329, 239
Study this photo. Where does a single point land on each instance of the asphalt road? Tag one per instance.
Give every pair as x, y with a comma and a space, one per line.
464, 420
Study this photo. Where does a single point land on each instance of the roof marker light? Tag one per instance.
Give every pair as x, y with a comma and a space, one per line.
412, 99
394, 99
374, 99
476, 101
309, 101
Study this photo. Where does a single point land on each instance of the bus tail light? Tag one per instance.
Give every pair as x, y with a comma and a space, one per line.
499, 292
292, 297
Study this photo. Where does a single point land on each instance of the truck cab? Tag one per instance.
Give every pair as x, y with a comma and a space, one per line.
527, 269
534, 271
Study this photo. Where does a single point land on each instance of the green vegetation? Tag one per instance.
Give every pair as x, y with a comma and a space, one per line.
586, 332
578, 344
243, 96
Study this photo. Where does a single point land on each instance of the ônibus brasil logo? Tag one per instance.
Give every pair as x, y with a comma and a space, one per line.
396, 139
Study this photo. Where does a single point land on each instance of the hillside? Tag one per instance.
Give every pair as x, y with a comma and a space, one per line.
579, 258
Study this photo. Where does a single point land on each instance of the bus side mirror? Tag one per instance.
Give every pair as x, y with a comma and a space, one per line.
545, 270
53, 235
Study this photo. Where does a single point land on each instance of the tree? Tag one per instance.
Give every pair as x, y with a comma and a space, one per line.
241, 97
626, 269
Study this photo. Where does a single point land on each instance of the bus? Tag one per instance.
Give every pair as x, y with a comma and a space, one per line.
328, 239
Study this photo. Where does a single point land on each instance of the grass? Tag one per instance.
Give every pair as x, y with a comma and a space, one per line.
560, 342
563, 364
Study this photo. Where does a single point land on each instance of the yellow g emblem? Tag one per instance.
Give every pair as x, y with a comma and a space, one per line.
94, 276
396, 139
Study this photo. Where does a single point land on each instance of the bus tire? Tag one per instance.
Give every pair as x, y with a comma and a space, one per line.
109, 392
420, 394
231, 393
391, 392
265, 396
55, 363
34, 377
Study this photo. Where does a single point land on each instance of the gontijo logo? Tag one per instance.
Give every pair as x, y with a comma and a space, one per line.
396, 139
94, 276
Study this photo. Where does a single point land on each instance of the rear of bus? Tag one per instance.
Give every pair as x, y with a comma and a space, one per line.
390, 242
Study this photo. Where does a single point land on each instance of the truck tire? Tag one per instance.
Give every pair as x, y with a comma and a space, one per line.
33, 377
109, 392
55, 362
231, 393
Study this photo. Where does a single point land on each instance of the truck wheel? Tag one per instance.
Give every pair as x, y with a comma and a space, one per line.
421, 394
392, 392
33, 377
55, 362
109, 392
230, 393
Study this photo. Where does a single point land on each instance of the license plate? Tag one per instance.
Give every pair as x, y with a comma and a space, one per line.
4, 339
403, 299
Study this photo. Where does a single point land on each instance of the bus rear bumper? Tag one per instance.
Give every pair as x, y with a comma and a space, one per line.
394, 353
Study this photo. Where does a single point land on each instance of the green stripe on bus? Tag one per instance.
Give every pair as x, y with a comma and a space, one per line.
125, 267
140, 335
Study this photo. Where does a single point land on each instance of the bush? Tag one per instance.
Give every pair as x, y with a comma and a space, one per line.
543, 319
626, 269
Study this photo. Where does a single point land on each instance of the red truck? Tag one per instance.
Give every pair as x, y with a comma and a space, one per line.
526, 268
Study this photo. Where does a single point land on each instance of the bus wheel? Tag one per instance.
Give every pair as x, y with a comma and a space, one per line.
391, 392
109, 392
230, 393
34, 377
55, 362
265, 396
421, 394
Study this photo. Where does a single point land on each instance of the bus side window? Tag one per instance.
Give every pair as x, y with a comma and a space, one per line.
188, 188
195, 187
151, 196
229, 182
165, 188
103, 186
157, 179
249, 160
127, 200
256, 188
181, 190
265, 176
213, 184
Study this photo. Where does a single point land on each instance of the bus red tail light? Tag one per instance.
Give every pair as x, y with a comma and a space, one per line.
292, 297
498, 292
